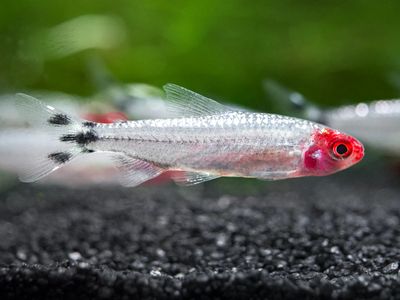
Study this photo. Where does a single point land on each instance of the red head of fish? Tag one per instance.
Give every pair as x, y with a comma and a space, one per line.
330, 151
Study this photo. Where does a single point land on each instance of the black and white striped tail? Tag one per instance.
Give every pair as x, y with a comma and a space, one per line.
68, 137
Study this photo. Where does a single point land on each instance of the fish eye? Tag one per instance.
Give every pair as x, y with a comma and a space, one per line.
341, 149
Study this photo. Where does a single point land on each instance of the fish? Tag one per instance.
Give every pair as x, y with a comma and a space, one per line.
205, 140
376, 124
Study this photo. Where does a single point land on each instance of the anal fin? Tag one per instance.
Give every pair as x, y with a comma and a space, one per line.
191, 178
134, 172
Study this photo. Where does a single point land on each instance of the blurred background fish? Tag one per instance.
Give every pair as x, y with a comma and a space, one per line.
376, 123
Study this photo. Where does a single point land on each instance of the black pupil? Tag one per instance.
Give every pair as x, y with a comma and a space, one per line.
341, 149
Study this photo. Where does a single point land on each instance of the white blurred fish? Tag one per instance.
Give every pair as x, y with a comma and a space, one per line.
204, 141
377, 124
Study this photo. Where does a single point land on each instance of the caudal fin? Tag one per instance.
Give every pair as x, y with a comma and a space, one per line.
58, 127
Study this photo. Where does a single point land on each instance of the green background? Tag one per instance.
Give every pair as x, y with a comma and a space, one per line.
334, 52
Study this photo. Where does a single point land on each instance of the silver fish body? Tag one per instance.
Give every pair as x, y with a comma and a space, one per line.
231, 144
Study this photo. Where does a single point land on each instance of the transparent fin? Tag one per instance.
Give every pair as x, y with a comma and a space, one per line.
52, 123
185, 103
39, 166
34, 111
45, 117
192, 178
135, 171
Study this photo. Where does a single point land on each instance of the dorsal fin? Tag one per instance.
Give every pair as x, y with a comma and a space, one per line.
185, 103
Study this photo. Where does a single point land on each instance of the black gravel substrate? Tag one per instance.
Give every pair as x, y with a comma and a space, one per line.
319, 238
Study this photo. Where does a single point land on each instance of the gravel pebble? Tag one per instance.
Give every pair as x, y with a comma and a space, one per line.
318, 238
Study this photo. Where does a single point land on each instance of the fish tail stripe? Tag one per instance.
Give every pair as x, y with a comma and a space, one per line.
58, 126
81, 138
60, 157
59, 119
